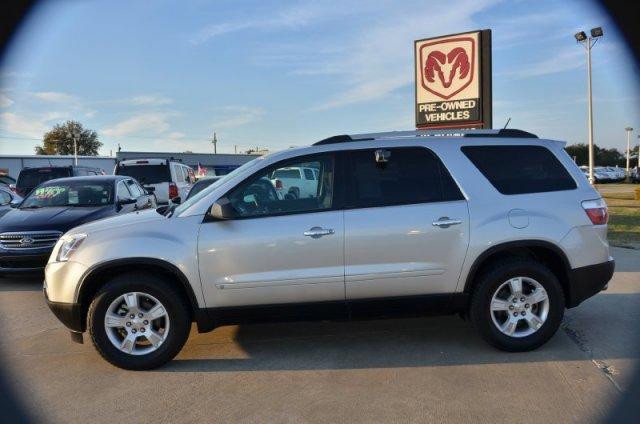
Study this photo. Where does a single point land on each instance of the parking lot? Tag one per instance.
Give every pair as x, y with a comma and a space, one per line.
427, 369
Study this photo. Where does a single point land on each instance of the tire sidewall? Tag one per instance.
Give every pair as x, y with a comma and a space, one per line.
487, 287
158, 288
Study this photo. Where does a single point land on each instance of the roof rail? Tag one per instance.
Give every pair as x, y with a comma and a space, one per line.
340, 139
502, 133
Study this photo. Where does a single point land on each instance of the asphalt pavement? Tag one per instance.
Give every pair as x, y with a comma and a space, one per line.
406, 370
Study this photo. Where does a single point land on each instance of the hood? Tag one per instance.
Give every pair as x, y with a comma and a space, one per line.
61, 218
131, 218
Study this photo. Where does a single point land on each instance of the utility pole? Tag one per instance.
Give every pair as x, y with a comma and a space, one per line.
628, 130
215, 142
588, 42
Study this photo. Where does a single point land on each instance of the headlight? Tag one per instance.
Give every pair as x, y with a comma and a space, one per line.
68, 245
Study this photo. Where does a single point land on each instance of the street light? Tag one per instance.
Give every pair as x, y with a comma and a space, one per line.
588, 42
76, 135
628, 130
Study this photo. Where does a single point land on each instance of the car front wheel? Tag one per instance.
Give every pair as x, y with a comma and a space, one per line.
138, 321
517, 305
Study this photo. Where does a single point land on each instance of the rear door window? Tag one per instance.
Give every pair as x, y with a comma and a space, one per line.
146, 174
409, 175
520, 169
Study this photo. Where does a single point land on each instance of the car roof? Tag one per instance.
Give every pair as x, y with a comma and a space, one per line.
92, 178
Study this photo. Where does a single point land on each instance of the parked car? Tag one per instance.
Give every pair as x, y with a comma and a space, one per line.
200, 185
599, 176
29, 178
298, 181
635, 174
8, 199
495, 224
7, 180
170, 180
29, 231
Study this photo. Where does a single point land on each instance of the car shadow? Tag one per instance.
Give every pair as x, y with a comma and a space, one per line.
394, 343
30, 283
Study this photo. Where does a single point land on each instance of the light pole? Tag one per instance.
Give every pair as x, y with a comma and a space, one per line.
628, 130
75, 136
215, 142
588, 42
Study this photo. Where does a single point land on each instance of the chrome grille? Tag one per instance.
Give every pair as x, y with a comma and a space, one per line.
29, 239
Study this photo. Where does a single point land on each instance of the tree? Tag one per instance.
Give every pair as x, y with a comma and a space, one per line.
59, 141
601, 157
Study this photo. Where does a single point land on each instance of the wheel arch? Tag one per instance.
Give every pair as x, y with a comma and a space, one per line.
542, 251
95, 277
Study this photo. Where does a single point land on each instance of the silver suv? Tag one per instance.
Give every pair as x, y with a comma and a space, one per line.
499, 226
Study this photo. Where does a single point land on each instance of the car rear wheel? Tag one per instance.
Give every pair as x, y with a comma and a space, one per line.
138, 321
517, 305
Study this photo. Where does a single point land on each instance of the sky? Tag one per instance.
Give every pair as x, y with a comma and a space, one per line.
164, 75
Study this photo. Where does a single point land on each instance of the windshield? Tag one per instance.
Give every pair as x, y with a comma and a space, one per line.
75, 193
146, 174
192, 200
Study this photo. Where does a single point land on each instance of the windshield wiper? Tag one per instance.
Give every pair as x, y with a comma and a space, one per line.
31, 207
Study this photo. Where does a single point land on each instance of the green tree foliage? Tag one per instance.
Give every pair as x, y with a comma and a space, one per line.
59, 141
602, 157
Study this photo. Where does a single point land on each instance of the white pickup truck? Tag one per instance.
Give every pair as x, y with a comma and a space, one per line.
300, 182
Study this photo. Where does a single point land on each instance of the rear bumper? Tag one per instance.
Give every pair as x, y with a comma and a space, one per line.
587, 281
70, 314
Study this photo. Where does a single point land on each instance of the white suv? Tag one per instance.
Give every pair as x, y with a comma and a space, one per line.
169, 180
499, 226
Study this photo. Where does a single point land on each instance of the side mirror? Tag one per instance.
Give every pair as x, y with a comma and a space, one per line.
222, 210
126, 201
176, 200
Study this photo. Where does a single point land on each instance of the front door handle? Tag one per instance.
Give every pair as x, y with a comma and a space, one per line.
446, 222
317, 232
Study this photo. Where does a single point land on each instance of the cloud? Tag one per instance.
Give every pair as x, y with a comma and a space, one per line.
5, 101
140, 124
289, 18
26, 126
151, 100
234, 116
55, 97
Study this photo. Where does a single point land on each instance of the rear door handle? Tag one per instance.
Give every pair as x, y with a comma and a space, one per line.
446, 222
317, 232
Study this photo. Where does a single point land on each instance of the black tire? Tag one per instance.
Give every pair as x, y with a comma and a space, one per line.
490, 281
177, 308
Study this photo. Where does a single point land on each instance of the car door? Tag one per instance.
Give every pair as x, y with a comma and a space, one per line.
277, 251
406, 224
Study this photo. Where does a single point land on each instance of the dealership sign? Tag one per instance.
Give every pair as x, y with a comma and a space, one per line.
453, 81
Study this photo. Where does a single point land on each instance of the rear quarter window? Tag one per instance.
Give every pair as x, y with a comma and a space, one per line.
520, 169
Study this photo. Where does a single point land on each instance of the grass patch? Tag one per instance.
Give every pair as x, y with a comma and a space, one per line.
624, 214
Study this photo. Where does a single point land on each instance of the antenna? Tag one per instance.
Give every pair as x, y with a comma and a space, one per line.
505, 125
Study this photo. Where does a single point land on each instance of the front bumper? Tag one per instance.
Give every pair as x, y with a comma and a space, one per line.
70, 314
587, 281
23, 262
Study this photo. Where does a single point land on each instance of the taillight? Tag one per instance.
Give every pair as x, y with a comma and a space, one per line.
597, 211
278, 184
173, 190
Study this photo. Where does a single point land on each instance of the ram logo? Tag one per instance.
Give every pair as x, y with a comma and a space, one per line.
447, 66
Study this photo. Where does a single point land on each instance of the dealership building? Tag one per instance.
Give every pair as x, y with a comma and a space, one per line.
219, 163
